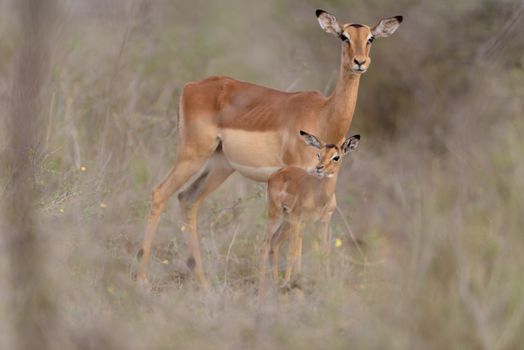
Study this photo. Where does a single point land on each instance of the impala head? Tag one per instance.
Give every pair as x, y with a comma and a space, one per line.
357, 38
330, 155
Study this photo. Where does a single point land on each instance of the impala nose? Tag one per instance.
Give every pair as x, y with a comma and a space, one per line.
320, 170
359, 63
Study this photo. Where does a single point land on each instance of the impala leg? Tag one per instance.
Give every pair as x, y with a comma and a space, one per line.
216, 172
324, 234
298, 258
188, 163
178, 175
291, 257
278, 237
324, 225
271, 226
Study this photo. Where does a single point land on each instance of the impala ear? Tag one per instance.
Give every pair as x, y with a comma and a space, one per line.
350, 144
329, 23
310, 140
386, 27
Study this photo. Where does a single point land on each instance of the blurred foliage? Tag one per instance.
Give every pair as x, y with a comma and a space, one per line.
435, 193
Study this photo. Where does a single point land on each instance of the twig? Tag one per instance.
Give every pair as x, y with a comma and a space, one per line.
488, 48
352, 235
227, 256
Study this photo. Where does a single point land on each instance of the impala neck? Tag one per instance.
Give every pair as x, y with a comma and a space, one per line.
341, 105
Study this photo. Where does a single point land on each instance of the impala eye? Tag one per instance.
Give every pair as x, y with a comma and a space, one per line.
318, 156
344, 37
371, 39
336, 158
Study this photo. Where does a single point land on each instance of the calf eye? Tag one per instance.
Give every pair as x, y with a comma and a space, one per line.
336, 158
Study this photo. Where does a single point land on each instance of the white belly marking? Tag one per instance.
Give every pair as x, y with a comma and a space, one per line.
253, 154
257, 174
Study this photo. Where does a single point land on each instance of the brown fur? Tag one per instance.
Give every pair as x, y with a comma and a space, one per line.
298, 196
255, 127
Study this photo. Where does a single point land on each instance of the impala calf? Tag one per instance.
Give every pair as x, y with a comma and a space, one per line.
298, 196
228, 126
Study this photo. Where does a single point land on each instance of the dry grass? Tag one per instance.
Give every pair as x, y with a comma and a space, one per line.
436, 190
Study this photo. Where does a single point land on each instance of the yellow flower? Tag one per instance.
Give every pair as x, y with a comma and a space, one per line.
83, 168
61, 210
338, 243
165, 261
110, 289
103, 205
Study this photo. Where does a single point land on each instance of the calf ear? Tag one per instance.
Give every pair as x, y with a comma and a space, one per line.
311, 140
350, 144
386, 27
329, 23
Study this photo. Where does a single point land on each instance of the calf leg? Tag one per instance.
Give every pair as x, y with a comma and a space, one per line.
293, 250
271, 225
324, 225
279, 236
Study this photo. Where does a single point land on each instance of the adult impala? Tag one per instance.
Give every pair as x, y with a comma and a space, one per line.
226, 125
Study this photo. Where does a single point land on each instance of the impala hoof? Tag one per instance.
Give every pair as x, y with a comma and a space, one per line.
140, 254
191, 263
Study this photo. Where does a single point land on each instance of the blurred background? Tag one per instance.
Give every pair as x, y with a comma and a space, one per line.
435, 195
